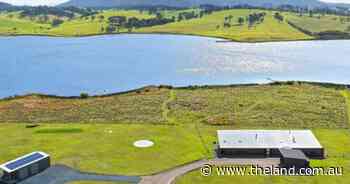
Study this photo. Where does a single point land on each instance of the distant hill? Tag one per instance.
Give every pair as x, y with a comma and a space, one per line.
187, 3
4, 5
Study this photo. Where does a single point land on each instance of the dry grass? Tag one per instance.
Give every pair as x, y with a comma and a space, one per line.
128, 108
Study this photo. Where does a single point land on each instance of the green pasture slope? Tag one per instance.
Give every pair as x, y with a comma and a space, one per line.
208, 25
96, 134
212, 26
320, 23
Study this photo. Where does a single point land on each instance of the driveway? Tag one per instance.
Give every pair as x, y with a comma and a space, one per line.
59, 174
169, 176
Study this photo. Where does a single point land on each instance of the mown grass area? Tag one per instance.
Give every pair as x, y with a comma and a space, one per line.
106, 148
298, 105
280, 106
319, 23
136, 107
269, 30
336, 143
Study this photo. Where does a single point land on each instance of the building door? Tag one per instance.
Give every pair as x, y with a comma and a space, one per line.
23, 173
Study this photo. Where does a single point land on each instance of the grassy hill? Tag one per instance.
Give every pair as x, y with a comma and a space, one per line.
209, 25
212, 25
320, 23
96, 134
293, 106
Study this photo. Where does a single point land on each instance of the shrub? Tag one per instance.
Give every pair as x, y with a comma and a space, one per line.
84, 95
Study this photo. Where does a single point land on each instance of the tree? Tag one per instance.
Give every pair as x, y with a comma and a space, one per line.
311, 13
56, 22
111, 29
240, 20
101, 17
279, 17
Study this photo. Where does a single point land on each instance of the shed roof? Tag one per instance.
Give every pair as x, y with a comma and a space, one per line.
267, 139
292, 153
23, 161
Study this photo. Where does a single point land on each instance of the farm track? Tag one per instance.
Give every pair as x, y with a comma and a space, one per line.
165, 108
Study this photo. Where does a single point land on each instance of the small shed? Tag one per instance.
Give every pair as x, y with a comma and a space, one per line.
24, 167
293, 158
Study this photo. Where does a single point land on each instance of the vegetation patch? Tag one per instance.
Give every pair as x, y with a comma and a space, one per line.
277, 106
292, 105
135, 107
58, 130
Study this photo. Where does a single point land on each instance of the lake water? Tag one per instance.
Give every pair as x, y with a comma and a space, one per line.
106, 64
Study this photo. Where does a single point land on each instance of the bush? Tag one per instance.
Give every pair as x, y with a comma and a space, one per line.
56, 22
84, 95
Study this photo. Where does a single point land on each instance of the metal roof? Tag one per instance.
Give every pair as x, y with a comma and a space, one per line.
23, 161
267, 139
292, 153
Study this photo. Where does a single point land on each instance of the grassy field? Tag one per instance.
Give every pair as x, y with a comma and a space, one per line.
276, 106
136, 107
97, 134
336, 143
319, 23
105, 148
209, 25
269, 30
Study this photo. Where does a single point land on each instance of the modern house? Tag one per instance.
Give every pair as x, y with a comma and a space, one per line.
267, 143
24, 167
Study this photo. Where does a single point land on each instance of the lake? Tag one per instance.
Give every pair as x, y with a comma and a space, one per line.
114, 63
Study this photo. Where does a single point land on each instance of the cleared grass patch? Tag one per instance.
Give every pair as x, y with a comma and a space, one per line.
107, 148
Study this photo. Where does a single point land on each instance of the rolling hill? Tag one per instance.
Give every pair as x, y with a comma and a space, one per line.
4, 5
188, 3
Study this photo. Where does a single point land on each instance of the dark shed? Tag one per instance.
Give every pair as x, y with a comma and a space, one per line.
24, 167
293, 158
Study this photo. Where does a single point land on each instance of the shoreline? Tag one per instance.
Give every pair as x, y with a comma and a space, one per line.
190, 87
224, 40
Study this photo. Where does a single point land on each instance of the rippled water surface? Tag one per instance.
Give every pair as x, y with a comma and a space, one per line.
105, 64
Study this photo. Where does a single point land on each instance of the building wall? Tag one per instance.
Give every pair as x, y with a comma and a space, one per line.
235, 153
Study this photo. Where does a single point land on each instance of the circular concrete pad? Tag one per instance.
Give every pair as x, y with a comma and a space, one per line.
143, 143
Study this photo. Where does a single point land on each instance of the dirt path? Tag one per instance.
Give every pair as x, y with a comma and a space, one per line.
165, 108
169, 176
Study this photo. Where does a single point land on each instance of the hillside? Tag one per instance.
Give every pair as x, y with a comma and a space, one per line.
4, 5
188, 3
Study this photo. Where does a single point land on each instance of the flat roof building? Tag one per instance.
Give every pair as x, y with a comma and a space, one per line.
251, 143
24, 167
